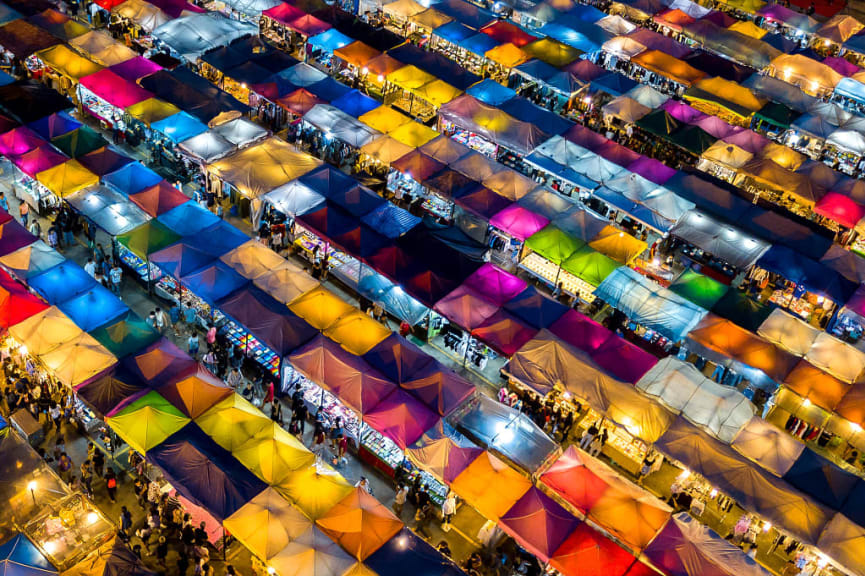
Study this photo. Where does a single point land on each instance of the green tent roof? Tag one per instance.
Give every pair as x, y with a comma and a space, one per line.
79, 142
693, 139
659, 123
741, 310
699, 289
148, 238
590, 265
777, 114
553, 244
126, 336
147, 422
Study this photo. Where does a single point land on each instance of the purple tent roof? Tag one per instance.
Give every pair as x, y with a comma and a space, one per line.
466, 308
618, 154
538, 523
104, 161
19, 141
180, 259
440, 388
495, 284
158, 364
748, 140
624, 360
582, 136
856, 303
681, 111
213, 282
398, 359
717, 127
444, 452
483, 202
38, 160
519, 222
401, 417
347, 376
580, 331
204, 472
14, 236
135, 68
109, 393
504, 333
655, 41
652, 170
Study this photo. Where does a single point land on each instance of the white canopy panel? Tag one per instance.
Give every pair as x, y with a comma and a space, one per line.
721, 240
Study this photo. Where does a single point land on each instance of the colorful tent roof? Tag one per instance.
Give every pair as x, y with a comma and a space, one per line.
401, 417
147, 422
587, 552
315, 490
159, 198
148, 238
409, 553
443, 452
62, 282
78, 361
16, 302
158, 364
360, 524
357, 332
486, 470
232, 422
194, 393
20, 557
267, 524
274, 455
125, 336
93, 308
312, 554
538, 523
31, 260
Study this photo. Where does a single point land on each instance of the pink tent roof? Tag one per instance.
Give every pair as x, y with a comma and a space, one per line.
717, 127
748, 140
308, 25
19, 141
284, 13
440, 388
401, 417
577, 485
345, 375
681, 111
624, 360
38, 159
465, 307
444, 452
504, 333
135, 68
841, 66
856, 303
518, 221
495, 284
538, 523
840, 208
652, 170
655, 41
616, 153
580, 331
114, 89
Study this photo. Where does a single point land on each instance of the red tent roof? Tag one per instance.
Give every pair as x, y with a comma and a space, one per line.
300, 101
159, 198
840, 208
575, 483
503, 32
284, 13
16, 302
588, 553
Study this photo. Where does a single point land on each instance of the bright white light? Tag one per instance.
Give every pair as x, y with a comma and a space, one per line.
767, 526
504, 433
271, 570
806, 403
855, 426
31, 485
50, 547
92, 518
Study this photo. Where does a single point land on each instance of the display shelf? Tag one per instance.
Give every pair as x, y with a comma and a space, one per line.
101, 109
307, 241
315, 396
137, 265
474, 141
438, 206
252, 347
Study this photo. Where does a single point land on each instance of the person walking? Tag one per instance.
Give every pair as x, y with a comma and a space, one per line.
24, 212
194, 345
111, 484
115, 275
449, 508
161, 320
399, 500
125, 523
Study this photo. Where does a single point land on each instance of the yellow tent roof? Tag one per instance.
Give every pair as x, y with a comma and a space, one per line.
67, 178
667, 66
413, 134
410, 77
267, 524
286, 283
437, 93
360, 524
750, 6
357, 53
810, 75
386, 149
67, 62
731, 92
45, 331
783, 156
113, 54
273, 454
728, 155
320, 307
313, 553
403, 8
506, 55
152, 110
618, 245
552, 52
475, 482
430, 19
147, 422
233, 422
384, 119
748, 28
315, 489
253, 259
78, 360
357, 332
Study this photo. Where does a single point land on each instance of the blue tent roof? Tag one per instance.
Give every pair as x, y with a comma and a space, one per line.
390, 220
469, 14
454, 31
491, 92
181, 259
548, 164
300, 75
398, 359
180, 126
818, 477
132, 178
406, 553
569, 36
204, 472
62, 282
479, 44
527, 111
815, 125
537, 69
535, 309
218, 239
854, 508
213, 282
55, 125
376, 287
7, 14
357, 201
814, 276
93, 308
355, 103
327, 180
588, 14
188, 218
856, 43
614, 84
633, 209
20, 557
328, 89
329, 41
852, 89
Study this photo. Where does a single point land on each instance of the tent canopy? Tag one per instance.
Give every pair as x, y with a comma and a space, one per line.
486, 470
147, 422
443, 452
538, 523
360, 524
191, 36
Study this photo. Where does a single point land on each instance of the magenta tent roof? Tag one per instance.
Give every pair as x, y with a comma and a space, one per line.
19, 141
518, 221
618, 154
466, 308
38, 159
345, 375
135, 68
717, 127
444, 452
856, 303
841, 66
308, 25
504, 333
440, 388
538, 523
14, 236
681, 111
497, 285
580, 331
655, 41
402, 418
283, 13
652, 170
115, 89
624, 360
748, 140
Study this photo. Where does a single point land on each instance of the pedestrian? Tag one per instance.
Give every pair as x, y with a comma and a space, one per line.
341, 447
151, 319
161, 320
201, 534
125, 522
235, 378
4, 204
209, 360
444, 549
399, 499
111, 484
174, 315
161, 551
194, 345
115, 275
90, 267
364, 484
98, 461
318, 438
56, 416
35, 228
53, 238
24, 212
87, 478
335, 432
276, 412
190, 316
64, 467
449, 508
588, 436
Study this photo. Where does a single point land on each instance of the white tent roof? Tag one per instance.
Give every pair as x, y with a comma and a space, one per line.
294, 198
142, 13
692, 9
562, 151
625, 109
334, 122
649, 304
623, 47
252, 7
647, 96
767, 445
241, 132
718, 239
596, 168
848, 140
788, 332
207, 147
110, 210
720, 410
616, 25
645, 192
191, 36
838, 358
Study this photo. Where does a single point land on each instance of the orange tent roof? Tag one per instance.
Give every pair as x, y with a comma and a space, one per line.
475, 482
357, 53
360, 524
668, 67
820, 388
